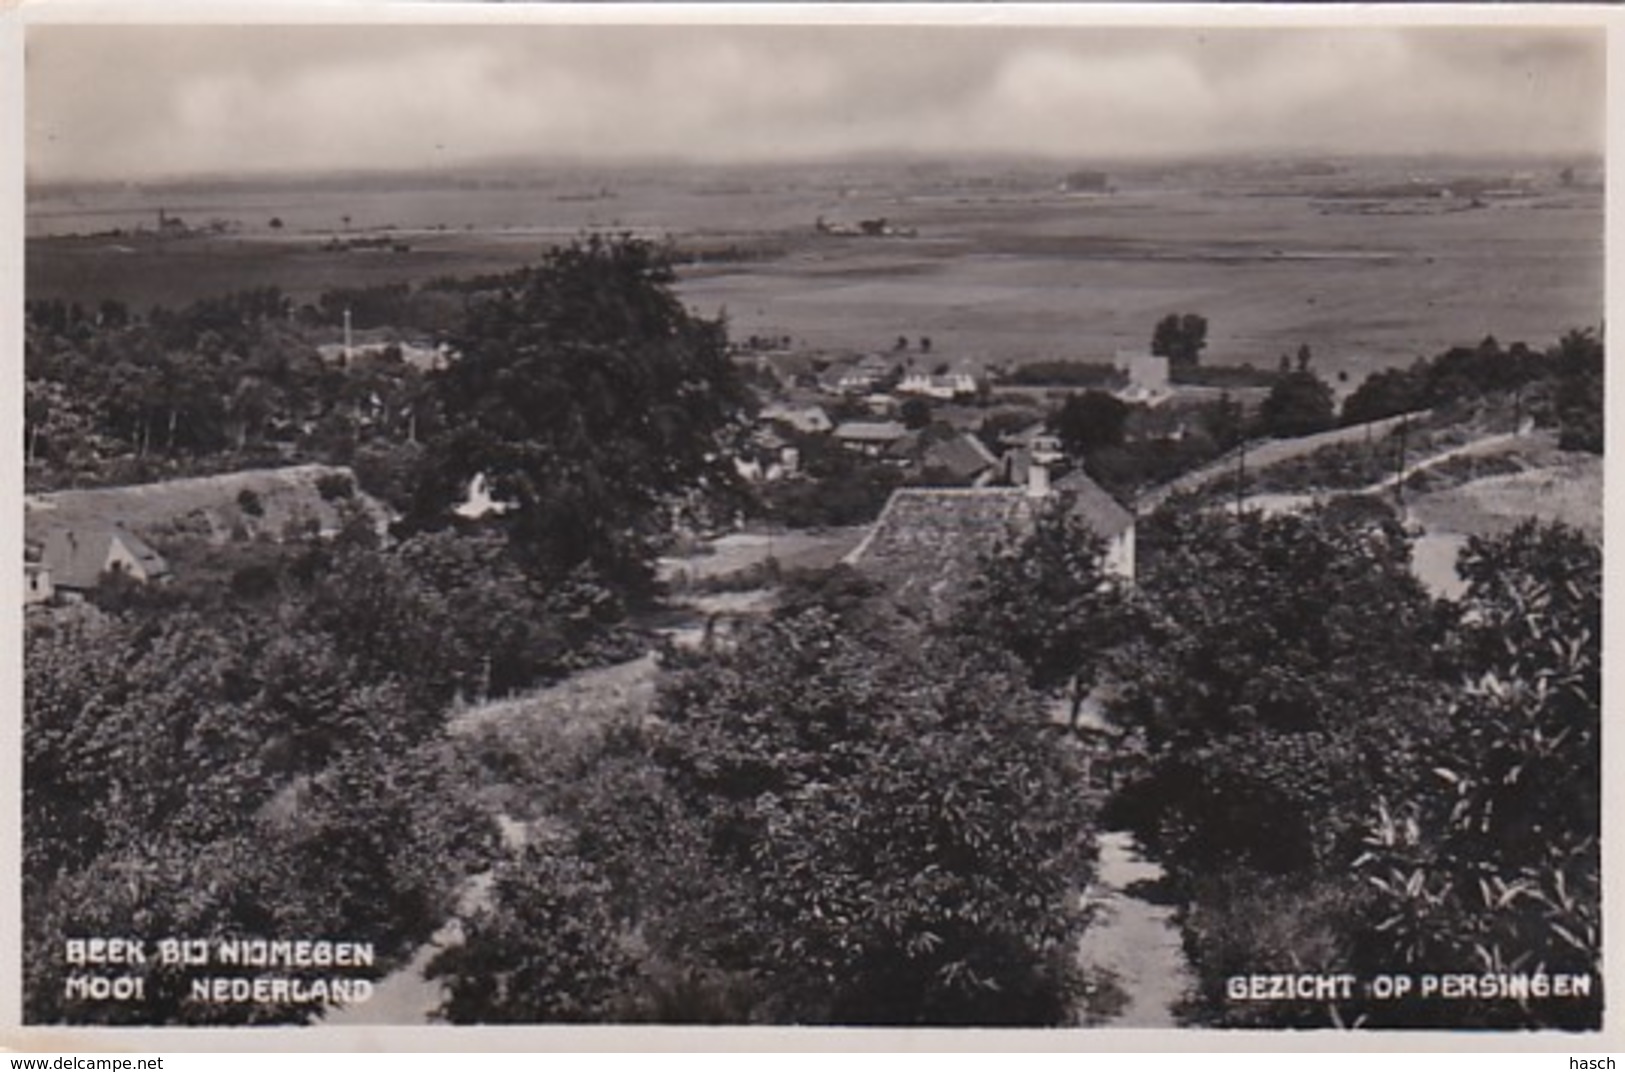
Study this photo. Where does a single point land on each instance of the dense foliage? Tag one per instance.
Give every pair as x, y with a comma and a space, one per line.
1048, 602
826, 824
590, 399
1181, 338
834, 486
1299, 404
1089, 422
1561, 386
1407, 785
317, 797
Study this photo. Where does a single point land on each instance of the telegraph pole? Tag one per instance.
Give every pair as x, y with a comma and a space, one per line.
1241, 477
1399, 472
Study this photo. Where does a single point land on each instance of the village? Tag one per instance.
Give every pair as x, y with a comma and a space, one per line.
366, 546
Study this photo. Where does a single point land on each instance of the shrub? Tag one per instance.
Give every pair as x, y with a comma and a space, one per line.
335, 486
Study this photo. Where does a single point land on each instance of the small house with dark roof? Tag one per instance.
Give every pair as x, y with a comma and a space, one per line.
927, 541
872, 438
964, 459
78, 557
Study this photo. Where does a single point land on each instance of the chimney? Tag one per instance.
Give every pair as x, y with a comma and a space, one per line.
1037, 480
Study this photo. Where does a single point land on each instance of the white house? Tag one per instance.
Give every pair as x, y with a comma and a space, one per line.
1148, 379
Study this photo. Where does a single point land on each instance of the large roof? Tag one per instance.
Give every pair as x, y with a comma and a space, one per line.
927, 540
1088, 501
870, 431
77, 557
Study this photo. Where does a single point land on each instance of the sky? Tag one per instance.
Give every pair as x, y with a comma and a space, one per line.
141, 102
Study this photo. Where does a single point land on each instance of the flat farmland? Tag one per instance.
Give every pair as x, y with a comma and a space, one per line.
1084, 278
1013, 273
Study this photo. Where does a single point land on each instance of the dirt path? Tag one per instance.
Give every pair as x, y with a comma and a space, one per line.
1262, 454
1134, 937
1281, 502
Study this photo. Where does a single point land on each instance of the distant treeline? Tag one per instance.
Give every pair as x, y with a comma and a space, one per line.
1561, 385
1065, 374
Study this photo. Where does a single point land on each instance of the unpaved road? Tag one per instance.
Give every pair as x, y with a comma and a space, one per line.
1134, 938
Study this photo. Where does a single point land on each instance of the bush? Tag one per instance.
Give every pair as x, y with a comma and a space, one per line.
905, 837
1242, 922
545, 950
334, 487
1298, 405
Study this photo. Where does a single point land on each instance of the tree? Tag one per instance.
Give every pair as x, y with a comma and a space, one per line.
1047, 601
545, 950
1180, 338
1091, 421
1225, 421
1492, 862
1579, 393
915, 412
1385, 393
906, 839
590, 398
1299, 404
1273, 679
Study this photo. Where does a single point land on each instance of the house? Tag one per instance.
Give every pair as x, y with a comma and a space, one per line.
870, 438
769, 457
78, 557
1101, 514
1147, 374
1041, 444
943, 386
927, 541
964, 459
808, 420
423, 356
37, 586
864, 377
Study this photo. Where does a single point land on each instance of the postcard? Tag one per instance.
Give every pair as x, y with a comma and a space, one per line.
1081, 522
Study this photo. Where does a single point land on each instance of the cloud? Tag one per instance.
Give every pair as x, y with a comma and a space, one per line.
131, 101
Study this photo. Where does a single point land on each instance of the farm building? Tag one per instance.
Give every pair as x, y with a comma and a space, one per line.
77, 558
927, 541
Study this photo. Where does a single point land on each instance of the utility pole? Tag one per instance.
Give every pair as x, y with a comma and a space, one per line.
1399, 471
348, 353
1241, 477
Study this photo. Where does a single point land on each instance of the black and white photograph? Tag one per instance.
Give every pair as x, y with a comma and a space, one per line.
942, 520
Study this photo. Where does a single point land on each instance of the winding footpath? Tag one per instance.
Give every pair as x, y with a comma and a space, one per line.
1134, 939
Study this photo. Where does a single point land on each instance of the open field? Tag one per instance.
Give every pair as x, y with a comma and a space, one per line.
1562, 487
1001, 269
